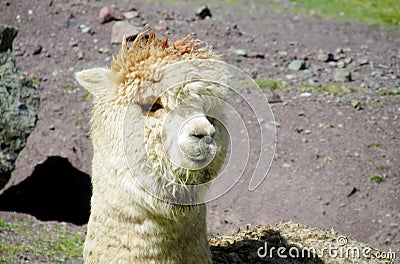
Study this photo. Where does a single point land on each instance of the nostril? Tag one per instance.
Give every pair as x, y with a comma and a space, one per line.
208, 140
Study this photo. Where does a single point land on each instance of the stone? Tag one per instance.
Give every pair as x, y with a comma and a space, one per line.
131, 14
297, 65
291, 76
332, 64
324, 56
351, 191
274, 98
241, 52
67, 23
162, 27
37, 50
73, 43
85, 29
341, 64
362, 61
255, 55
7, 36
107, 14
80, 55
342, 75
282, 54
305, 94
121, 29
203, 12
19, 107
356, 105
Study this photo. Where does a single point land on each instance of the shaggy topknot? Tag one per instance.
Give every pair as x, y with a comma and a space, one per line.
147, 54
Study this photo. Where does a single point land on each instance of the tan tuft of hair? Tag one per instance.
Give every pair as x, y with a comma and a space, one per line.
148, 54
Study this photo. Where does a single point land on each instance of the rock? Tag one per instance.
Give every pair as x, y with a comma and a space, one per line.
203, 12
80, 55
241, 52
19, 53
162, 27
73, 43
324, 56
85, 29
362, 61
339, 50
19, 107
356, 105
255, 55
282, 54
305, 94
291, 76
107, 14
351, 191
341, 64
121, 28
348, 60
297, 65
332, 64
6, 37
303, 56
342, 75
274, 98
103, 50
131, 14
37, 50
307, 74
68, 23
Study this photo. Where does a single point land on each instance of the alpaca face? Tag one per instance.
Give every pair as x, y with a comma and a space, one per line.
189, 133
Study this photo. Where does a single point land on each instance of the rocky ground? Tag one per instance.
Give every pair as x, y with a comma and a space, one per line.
333, 87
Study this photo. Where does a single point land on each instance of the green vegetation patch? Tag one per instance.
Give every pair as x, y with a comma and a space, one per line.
85, 96
382, 168
330, 88
373, 145
383, 12
23, 238
334, 89
273, 85
378, 178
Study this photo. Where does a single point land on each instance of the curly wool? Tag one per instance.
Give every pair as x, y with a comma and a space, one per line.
139, 62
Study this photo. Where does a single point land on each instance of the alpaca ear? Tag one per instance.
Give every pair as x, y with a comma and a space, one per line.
95, 80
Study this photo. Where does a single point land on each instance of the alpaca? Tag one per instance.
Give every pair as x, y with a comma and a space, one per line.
154, 130
158, 134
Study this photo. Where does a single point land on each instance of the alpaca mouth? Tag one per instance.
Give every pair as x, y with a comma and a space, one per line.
201, 152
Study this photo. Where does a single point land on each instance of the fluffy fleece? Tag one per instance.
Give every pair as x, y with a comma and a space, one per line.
137, 147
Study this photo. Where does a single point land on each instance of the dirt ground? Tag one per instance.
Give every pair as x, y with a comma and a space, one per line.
329, 145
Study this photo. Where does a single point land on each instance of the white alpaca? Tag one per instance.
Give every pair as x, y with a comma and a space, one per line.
145, 135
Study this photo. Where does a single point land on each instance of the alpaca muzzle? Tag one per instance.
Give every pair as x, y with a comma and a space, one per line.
196, 140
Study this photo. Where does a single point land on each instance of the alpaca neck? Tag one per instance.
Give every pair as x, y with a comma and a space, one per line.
127, 233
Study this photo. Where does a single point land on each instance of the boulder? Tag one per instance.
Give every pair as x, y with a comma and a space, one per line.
19, 105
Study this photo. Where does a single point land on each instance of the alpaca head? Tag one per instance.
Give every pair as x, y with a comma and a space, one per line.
157, 118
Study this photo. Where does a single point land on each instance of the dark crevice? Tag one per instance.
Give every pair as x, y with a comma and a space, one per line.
56, 191
4, 178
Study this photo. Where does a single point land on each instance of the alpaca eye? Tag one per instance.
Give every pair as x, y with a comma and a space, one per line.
151, 108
